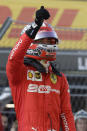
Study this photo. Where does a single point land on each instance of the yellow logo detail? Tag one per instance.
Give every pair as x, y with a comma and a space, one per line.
53, 78
30, 75
37, 75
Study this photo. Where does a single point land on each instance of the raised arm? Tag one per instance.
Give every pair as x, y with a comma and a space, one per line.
16, 57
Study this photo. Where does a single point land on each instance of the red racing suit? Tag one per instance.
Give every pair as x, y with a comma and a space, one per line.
1, 126
42, 100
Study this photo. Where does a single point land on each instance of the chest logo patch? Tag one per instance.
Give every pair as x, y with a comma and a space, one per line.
53, 78
34, 75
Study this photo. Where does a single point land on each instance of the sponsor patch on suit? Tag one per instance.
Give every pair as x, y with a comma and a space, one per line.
34, 75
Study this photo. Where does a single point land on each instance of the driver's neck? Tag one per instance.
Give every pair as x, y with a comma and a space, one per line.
45, 63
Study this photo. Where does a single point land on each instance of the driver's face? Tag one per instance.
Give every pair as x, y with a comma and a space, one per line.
46, 41
81, 124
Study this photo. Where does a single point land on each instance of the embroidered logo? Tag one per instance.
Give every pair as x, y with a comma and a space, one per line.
53, 78
34, 75
30, 74
41, 89
37, 75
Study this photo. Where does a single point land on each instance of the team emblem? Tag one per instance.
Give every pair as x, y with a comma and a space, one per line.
53, 78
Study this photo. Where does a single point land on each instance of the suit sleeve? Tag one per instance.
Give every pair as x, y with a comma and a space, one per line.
67, 117
16, 59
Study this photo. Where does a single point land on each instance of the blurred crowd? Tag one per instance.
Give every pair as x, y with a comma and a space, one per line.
8, 120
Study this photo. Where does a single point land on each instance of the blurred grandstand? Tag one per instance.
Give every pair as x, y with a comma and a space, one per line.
71, 59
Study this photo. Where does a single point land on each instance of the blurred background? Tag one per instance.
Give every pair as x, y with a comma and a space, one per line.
69, 18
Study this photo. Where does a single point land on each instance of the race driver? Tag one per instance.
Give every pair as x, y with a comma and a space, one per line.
40, 92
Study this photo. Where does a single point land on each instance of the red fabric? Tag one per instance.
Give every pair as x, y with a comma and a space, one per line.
1, 127
42, 101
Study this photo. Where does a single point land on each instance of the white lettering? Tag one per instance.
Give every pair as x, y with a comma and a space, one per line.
32, 88
65, 122
15, 48
41, 89
82, 63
